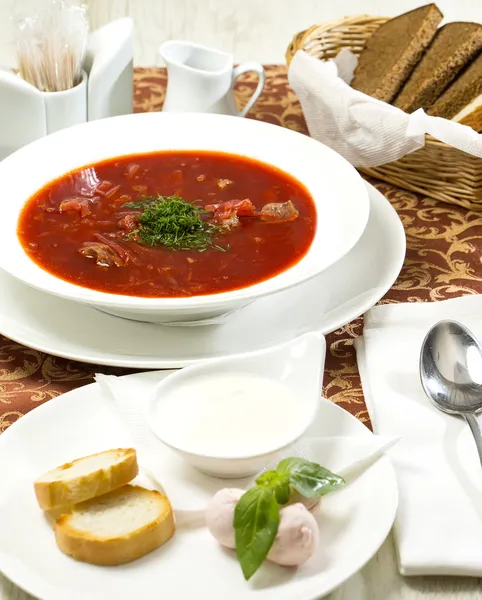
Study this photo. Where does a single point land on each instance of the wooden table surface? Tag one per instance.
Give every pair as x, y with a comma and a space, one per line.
442, 261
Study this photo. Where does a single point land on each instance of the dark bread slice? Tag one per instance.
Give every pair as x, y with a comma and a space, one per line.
464, 90
392, 52
454, 46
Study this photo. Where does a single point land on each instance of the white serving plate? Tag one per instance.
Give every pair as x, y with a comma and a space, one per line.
354, 522
341, 199
342, 293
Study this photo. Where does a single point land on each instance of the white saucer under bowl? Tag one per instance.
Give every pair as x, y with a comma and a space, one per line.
334, 298
353, 522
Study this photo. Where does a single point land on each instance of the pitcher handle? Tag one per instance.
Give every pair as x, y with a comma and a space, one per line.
250, 67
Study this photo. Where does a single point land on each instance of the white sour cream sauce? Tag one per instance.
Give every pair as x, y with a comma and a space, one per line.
230, 415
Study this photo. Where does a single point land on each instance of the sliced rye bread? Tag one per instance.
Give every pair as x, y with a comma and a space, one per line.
116, 528
392, 52
454, 46
86, 478
461, 94
471, 115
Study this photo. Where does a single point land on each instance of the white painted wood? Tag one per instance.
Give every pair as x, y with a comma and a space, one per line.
250, 29
7, 12
260, 30
8, 591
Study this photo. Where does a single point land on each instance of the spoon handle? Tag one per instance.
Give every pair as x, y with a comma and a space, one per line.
475, 429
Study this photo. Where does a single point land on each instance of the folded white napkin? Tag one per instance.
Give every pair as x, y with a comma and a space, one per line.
438, 528
366, 131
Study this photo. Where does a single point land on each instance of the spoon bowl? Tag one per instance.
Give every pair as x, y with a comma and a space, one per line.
451, 372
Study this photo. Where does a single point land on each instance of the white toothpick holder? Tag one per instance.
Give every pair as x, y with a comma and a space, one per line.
105, 90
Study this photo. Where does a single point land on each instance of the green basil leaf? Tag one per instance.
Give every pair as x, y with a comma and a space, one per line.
287, 465
256, 522
278, 482
308, 478
282, 491
268, 478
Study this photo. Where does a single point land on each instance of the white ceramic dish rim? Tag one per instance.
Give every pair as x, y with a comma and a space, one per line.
349, 180
138, 362
205, 366
41, 588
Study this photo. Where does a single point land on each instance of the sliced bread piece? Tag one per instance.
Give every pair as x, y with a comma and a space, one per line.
471, 115
54, 513
463, 94
454, 47
116, 528
392, 52
86, 478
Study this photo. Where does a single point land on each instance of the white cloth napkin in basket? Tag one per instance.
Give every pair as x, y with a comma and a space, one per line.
365, 131
438, 529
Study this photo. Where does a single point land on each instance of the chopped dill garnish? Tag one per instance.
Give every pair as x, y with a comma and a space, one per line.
174, 223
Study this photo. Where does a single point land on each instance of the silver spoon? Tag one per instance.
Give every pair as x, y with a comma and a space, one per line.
451, 373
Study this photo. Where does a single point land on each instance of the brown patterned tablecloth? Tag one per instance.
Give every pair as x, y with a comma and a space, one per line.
443, 260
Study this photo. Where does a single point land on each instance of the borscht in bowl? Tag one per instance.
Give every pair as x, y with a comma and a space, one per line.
171, 216
169, 224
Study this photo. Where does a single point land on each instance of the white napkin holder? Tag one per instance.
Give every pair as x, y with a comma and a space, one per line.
105, 90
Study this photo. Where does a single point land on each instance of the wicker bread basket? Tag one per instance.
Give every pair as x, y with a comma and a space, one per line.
436, 170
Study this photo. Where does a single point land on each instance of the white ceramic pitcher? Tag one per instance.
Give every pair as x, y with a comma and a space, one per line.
201, 79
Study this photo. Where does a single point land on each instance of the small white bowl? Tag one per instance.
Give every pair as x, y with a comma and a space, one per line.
297, 365
340, 196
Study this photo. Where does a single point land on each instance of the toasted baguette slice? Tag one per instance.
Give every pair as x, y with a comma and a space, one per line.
454, 47
116, 528
55, 513
392, 52
86, 478
462, 96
